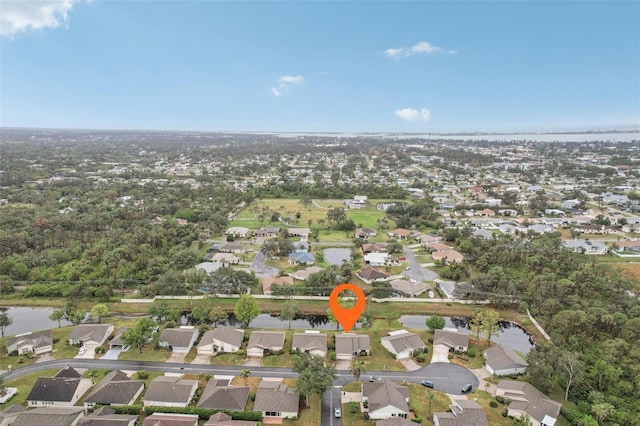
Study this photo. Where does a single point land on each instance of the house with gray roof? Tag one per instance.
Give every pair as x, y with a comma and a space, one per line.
451, 339
179, 340
395, 421
402, 343
62, 390
221, 339
90, 334
105, 416
222, 419
267, 232
528, 401
301, 258
168, 419
219, 394
312, 342
169, 391
503, 361
275, 399
116, 388
463, 412
406, 288
50, 416
385, 399
350, 345
37, 343
9, 414
586, 246
263, 341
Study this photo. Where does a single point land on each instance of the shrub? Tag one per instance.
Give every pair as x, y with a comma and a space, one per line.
365, 416
421, 358
450, 356
56, 340
142, 374
99, 350
13, 353
430, 339
417, 419
500, 399
333, 356
494, 404
354, 407
471, 352
133, 410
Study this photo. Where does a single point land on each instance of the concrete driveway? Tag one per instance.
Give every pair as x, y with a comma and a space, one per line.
112, 353
202, 359
440, 353
176, 358
89, 354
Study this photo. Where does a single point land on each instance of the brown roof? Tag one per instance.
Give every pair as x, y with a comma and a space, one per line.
451, 256
170, 389
224, 334
349, 343
370, 273
304, 273
217, 394
116, 388
266, 339
450, 338
438, 246
401, 231
374, 248
268, 282
275, 396
310, 342
383, 393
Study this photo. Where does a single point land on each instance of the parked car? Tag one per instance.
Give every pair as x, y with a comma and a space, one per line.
427, 383
338, 413
374, 378
467, 388
82, 350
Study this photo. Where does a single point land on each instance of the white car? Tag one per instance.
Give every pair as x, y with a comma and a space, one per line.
82, 350
338, 413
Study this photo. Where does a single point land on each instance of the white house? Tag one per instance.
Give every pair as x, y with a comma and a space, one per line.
503, 361
179, 340
402, 343
169, 391
311, 341
220, 340
275, 399
528, 401
385, 399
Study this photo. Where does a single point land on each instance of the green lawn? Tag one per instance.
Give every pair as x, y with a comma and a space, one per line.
419, 398
148, 354
308, 416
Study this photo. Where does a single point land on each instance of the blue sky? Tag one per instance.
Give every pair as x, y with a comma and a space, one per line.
320, 66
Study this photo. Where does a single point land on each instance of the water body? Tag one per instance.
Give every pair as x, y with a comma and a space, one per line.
335, 256
510, 335
30, 319
318, 322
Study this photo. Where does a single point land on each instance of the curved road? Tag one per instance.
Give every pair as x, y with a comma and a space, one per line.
448, 378
417, 271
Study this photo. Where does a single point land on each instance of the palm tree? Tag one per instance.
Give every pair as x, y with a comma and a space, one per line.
357, 368
245, 375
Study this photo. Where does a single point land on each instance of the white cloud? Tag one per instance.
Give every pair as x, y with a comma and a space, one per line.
18, 16
420, 48
413, 115
286, 83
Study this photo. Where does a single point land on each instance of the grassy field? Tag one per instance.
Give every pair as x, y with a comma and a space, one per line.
419, 398
630, 271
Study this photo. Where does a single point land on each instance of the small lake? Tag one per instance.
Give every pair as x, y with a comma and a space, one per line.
318, 322
335, 256
510, 335
30, 319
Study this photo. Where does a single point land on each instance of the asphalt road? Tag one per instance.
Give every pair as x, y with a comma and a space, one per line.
447, 377
262, 270
417, 271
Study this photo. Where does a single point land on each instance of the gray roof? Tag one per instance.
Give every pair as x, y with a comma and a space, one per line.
164, 419
349, 343
39, 339
55, 389
464, 412
224, 334
116, 388
450, 338
105, 416
409, 288
525, 397
383, 393
178, 337
217, 394
93, 332
222, 419
266, 339
117, 340
68, 372
275, 396
170, 389
49, 416
396, 421
499, 357
310, 342
404, 341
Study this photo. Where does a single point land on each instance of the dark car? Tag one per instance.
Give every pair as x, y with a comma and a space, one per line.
467, 388
427, 383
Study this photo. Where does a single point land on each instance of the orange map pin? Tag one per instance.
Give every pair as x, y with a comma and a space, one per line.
347, 317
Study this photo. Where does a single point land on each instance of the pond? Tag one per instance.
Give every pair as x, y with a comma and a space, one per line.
335, 256
320, 322
30, 319
510, 335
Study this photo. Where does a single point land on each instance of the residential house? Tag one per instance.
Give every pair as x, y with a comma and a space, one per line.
486, 213
267, 232
105, 416
62, 390
300, 246
384, 399
237, 232
268, 283
117, 342
262, 341
374, 248
37, 343
541, 228
225, 258
9, 414
301, 258
528, 401
116, 388
484, 234
365, 233
628, 247
354, 204
438, 247
299, 232
169, 391
451, 339
303, 274
232, 248
221, 339
50, 416
168, 419
222, 419
312, 342
595, 229
401, 234
376, 259
218, 394
395, 421
179, 340
503, 361
369, 275
275, 399
462, 412
351, 345
90, 334
428, 238
406, 288
402, 343
448, 256
586, 246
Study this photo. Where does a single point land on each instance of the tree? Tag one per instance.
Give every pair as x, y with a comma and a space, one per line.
5, 321
314, 377
490, 323
141, 334
289, 311
522, 420
476, 324
57, 315
572, 368
159, 311
245, 375
76, 316
435, 322
217, 314
394, 246
246, 309
391, 317
332, 318
602, 411
99, 311
357, 368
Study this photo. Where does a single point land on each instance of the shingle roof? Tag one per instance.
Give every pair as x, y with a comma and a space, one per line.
55, 389
268, 282
525, 397
115, 388
224, 334
217, 394
266, 340
396, 421
102, 417
464, 412
310, 341
404, 341
163, 419
68, 372
49, 416
450, 338
370, 273
408, 288
349, 343
178, 337
93, 332
275, 396
38, 339
383, 393
170, 389
222, 419
499, 357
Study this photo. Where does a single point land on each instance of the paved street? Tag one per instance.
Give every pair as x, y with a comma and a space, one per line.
417, 271
262, 270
